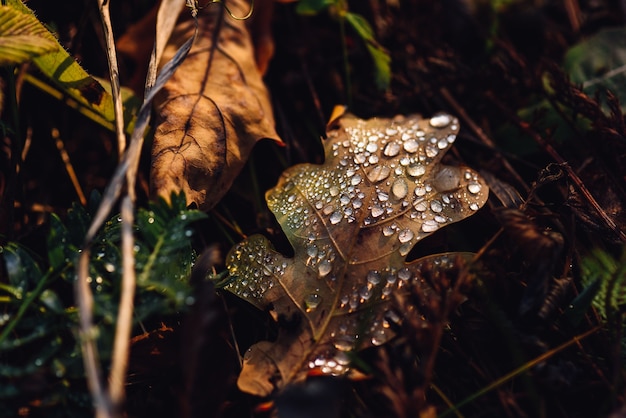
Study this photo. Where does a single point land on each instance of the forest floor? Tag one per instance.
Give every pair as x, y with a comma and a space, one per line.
541, 331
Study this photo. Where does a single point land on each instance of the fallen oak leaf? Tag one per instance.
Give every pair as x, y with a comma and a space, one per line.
351, 221
212, 111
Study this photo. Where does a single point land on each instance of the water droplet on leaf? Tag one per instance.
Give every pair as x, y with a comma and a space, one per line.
440, 121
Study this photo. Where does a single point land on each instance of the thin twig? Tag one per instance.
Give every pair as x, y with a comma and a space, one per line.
121, 345
126, 169
68, 165
87, 337
114, 74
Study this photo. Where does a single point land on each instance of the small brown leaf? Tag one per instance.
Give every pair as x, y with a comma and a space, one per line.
212, 111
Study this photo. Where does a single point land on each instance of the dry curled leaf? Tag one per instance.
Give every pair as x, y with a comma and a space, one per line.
212, 111
351, 221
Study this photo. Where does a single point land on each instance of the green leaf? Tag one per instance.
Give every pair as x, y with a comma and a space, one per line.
380, 57
22, 37
72, 80
166, 230
22, 270
599, 63
60, 250
313, 7
361, 26
599, 266
382, 66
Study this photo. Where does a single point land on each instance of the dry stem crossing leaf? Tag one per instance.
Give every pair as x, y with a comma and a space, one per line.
212, 111
352, 221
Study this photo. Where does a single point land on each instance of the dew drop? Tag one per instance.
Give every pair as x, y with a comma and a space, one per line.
405, 248
342, 358
443, 143
391, 131
391, 149
334, 191
436, 206
365, 293
411, 146
344, 343
431, 151
377, 211
474, 188
473, 206
324, 268
372, 146
335, 218
291, 198
430, 225
373, 159
405, 235
391, 278
378, 173
373, 277
311, 250
355, 180
312, 301
416, 170
399, 189
344, 199
440, 121
420, 191
378, 337
404, 274
356, 203
447, 178
382, 196
388, 230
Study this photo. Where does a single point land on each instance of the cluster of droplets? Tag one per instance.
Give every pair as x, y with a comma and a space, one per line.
379, 171
256, 267
358, 327
380, 191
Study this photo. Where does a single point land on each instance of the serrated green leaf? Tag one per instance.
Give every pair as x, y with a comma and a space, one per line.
22, 37
601, 267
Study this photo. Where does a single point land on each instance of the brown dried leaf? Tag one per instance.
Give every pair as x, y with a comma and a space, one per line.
352, 221
212, 111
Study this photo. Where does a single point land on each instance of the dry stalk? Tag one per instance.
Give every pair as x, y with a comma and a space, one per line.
108, 403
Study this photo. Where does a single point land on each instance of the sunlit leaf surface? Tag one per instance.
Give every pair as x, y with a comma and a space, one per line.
352, 221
